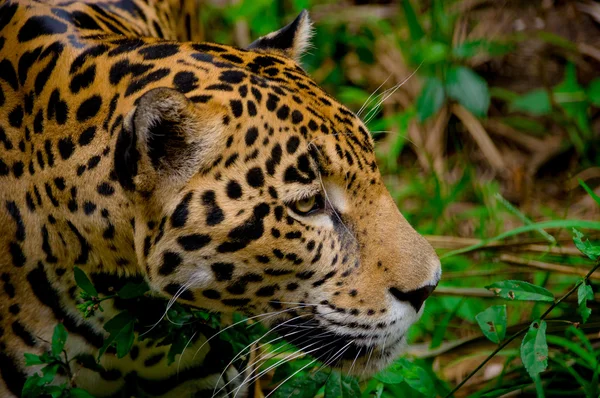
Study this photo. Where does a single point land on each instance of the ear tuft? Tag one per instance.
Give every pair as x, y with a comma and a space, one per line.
293, 40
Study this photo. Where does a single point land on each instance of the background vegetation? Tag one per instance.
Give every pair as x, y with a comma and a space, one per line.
487, 121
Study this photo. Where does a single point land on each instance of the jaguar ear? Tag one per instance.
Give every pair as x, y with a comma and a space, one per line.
292, 40
167, 139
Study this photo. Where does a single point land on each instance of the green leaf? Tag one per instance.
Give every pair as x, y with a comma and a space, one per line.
49, 372
84, 283
431, 52
572, 99
492, 322
587, 248
349, 95
417, 377
59, 338
582, 356
341, 387
120, 329
56, 391
535, 102
303, 385
79, 393
520, 290
471, 48
584, 293
124, 340
391, 375
379, 390
32, 359
177, 346
469, 89
33, 386
589, 191
534, 349
442, 22
593, 92
431, 98
133, 290
414, 27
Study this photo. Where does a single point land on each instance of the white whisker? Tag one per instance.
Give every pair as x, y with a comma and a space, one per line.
266, 315
373, 111
362, 108
184, 348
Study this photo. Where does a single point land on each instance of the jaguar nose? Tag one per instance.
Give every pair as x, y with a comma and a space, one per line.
415, 298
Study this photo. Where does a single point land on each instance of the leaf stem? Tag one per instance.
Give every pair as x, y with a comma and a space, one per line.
520, 332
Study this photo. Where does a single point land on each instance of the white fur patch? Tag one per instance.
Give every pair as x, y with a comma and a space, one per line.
303, 38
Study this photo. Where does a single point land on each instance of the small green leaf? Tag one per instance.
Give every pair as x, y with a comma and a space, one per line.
572, 98
49, 372
534, 349
432, 52
56, 391
133, 290
469, 89
303, 385
32, 359
341, 387
414, 27
535, 102
593, 92
379, 390
520, 290
492, 322
417, 377
391, 375
33, 386
587, 248
84, 282
584, 293
120, 329
177, 346
589, 191
431, 98
124, 340
59, 338
79, 393
471, 48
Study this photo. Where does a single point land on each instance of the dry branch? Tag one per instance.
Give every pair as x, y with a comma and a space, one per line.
563, 269
485, 143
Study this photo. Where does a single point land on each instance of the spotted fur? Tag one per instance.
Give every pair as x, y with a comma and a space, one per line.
133, 153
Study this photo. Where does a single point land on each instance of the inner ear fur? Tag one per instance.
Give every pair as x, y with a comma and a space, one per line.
167, 139
292, 40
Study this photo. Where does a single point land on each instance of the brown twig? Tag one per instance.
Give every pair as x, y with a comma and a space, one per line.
481, 137
526, 244
563, 269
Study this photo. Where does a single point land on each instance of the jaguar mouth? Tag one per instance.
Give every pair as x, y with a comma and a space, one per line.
359, 353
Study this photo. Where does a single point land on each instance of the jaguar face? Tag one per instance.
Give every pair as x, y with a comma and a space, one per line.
267, 199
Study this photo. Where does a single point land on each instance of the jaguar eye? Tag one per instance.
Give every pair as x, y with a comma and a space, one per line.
306, 206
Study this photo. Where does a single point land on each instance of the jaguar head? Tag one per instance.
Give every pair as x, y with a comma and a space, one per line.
265, 197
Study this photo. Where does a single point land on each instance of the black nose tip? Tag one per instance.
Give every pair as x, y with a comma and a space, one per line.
416, 298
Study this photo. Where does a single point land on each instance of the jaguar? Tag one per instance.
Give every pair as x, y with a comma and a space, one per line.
223, 177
